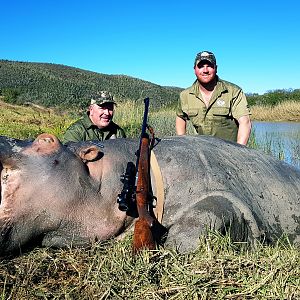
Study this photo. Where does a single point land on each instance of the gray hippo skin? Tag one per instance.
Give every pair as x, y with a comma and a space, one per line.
66, 196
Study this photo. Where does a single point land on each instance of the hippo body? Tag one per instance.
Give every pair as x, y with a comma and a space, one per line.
66, 195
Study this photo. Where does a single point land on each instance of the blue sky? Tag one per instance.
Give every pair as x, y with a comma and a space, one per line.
256, 43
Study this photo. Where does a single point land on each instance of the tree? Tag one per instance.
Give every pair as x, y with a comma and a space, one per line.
10, 95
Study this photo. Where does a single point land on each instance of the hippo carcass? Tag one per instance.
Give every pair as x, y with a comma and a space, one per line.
61, 195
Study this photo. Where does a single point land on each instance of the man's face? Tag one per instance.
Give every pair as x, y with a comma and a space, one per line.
101, 115
205, 72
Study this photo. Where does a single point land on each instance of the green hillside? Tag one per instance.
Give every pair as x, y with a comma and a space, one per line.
52, 85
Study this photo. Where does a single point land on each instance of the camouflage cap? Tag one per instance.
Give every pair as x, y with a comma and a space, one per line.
205, 55
102, 97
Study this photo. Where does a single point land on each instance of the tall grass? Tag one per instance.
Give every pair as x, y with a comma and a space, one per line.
285, 111
129, 117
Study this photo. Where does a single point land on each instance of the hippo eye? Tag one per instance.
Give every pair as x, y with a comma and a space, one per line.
55, 162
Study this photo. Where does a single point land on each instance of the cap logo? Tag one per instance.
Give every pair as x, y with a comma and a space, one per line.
205, 54
103, 95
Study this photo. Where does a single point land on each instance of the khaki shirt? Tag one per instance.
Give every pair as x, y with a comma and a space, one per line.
227, 104
85, 130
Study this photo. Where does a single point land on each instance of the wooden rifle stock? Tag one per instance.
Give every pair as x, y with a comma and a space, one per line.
143, 237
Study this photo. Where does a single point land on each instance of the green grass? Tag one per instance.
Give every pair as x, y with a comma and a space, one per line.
27, 122
218, 269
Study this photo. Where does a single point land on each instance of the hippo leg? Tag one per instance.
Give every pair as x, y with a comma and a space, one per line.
214, 212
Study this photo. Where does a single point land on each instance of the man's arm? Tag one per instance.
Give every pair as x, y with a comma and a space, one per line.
244, 130
180, 126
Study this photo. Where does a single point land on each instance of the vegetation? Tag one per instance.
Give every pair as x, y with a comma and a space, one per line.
53, 85
288, 111
27, 122
218, 269
275, 97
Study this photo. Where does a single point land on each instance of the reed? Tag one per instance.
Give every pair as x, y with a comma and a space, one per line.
283, 147
285, 111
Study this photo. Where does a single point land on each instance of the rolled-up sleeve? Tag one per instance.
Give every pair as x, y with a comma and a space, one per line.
240, 106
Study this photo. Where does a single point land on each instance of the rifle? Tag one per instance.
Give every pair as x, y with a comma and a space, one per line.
136, 196
143, 236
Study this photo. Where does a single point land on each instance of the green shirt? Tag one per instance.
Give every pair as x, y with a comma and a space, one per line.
227, 104
85, 130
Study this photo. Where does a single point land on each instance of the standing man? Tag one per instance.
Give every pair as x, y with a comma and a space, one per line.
214, 106
97, 123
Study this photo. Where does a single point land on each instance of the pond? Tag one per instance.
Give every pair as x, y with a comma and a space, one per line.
280, 139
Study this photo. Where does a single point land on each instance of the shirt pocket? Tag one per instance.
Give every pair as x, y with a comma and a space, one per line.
222, 116
192, 113
221, 112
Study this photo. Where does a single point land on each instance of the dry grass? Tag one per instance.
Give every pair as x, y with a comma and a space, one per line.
129, 116
218, 269
285, 111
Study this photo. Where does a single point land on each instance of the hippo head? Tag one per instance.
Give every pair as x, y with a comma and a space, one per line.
40, 183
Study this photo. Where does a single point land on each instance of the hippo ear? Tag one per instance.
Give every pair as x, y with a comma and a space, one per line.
89, 153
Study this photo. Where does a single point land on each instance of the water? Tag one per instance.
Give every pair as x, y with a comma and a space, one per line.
281, 139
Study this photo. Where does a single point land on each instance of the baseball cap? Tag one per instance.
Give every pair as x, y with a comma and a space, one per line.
102, 97
205, 55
